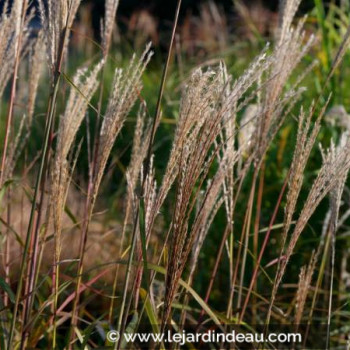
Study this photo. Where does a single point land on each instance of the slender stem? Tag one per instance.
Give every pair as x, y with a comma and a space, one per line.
246, 240
89, 204
8, 129
262, 250
55, 279
33, 209
34, 256
85, 227
256, 231
162, 87
89, 200
330, 290
42, 171
239, 252
121, 322
7, 247
13, 94
323, 244
115, 280
227, 231
122, 318
154, 273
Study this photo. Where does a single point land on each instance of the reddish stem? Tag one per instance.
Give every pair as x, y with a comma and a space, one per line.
267, 236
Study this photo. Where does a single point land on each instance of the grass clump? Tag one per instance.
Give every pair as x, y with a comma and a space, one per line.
197, 239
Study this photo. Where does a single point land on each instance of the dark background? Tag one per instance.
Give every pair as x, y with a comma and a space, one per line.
164, 9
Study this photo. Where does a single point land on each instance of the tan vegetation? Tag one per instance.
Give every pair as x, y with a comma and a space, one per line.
225, 127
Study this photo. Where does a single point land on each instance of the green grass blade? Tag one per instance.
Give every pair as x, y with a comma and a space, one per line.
7, 289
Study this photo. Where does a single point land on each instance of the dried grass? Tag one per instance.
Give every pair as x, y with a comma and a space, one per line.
224, 129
